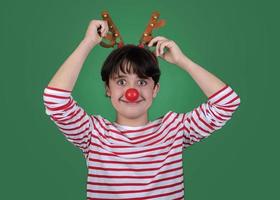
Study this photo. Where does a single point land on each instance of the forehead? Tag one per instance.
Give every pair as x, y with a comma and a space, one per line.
128, 75
121, 74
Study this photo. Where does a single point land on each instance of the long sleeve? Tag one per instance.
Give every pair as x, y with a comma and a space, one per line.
71, 119
209, 116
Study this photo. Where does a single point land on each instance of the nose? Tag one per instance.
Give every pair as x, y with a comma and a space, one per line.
131, 94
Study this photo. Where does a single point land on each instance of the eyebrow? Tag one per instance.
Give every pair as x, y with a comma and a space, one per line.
119, 76
124, 76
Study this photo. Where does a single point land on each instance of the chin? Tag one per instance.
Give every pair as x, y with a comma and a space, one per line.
131, 111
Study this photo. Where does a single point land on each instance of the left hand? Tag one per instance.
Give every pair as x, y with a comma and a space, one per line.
173, 54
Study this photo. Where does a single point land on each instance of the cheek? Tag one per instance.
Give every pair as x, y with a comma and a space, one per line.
148, 93
117, 92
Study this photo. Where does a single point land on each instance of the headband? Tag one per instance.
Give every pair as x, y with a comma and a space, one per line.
114, 37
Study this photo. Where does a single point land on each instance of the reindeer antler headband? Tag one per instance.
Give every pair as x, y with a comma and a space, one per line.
113, 34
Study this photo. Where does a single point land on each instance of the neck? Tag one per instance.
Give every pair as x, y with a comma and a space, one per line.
139, 121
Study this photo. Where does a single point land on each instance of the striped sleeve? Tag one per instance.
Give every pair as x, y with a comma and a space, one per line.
209, 116
70, 118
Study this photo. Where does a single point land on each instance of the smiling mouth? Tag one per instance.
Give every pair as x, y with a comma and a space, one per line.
133, 102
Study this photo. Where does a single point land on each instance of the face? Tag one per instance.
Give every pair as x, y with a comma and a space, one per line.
118, 86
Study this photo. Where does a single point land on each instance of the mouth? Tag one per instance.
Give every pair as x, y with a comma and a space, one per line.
134, 102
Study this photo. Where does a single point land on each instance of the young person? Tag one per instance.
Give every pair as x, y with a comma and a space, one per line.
133, 157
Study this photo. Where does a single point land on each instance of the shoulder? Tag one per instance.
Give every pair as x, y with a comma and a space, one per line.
171, 117
100, 122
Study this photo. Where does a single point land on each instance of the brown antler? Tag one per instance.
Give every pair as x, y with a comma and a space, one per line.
114, 35
153, 23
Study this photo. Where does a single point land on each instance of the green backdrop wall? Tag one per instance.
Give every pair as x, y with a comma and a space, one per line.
237, 40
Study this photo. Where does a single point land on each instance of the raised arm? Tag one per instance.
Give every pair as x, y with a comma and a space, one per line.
222, 100
208, 83
70, 118
66, 76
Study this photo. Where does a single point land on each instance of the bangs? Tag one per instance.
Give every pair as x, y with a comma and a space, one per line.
128, 67
131, 59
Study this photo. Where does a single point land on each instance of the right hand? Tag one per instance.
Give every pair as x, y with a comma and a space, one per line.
92, 32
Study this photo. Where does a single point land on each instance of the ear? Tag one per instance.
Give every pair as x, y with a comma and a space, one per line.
108, 91
156, 90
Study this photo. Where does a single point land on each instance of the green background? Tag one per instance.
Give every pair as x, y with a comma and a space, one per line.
237, 40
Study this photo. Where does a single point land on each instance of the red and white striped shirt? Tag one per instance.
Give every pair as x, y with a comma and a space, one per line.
141, 162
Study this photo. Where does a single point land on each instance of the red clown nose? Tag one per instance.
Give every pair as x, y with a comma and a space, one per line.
131, 94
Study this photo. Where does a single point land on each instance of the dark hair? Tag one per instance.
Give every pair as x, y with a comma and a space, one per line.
131, 59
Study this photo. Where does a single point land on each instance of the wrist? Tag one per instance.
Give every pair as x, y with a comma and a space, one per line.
184, 62
88, 43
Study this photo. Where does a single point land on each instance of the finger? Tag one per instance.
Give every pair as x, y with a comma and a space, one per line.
104, 32
163, 45
155, 39
99, 30
104, 28
105, 24
107, 28
101, 24
158, 46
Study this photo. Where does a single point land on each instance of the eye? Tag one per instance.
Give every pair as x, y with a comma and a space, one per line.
121, 82
142, 82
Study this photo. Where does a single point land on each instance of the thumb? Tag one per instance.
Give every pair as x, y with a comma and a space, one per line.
154, 52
